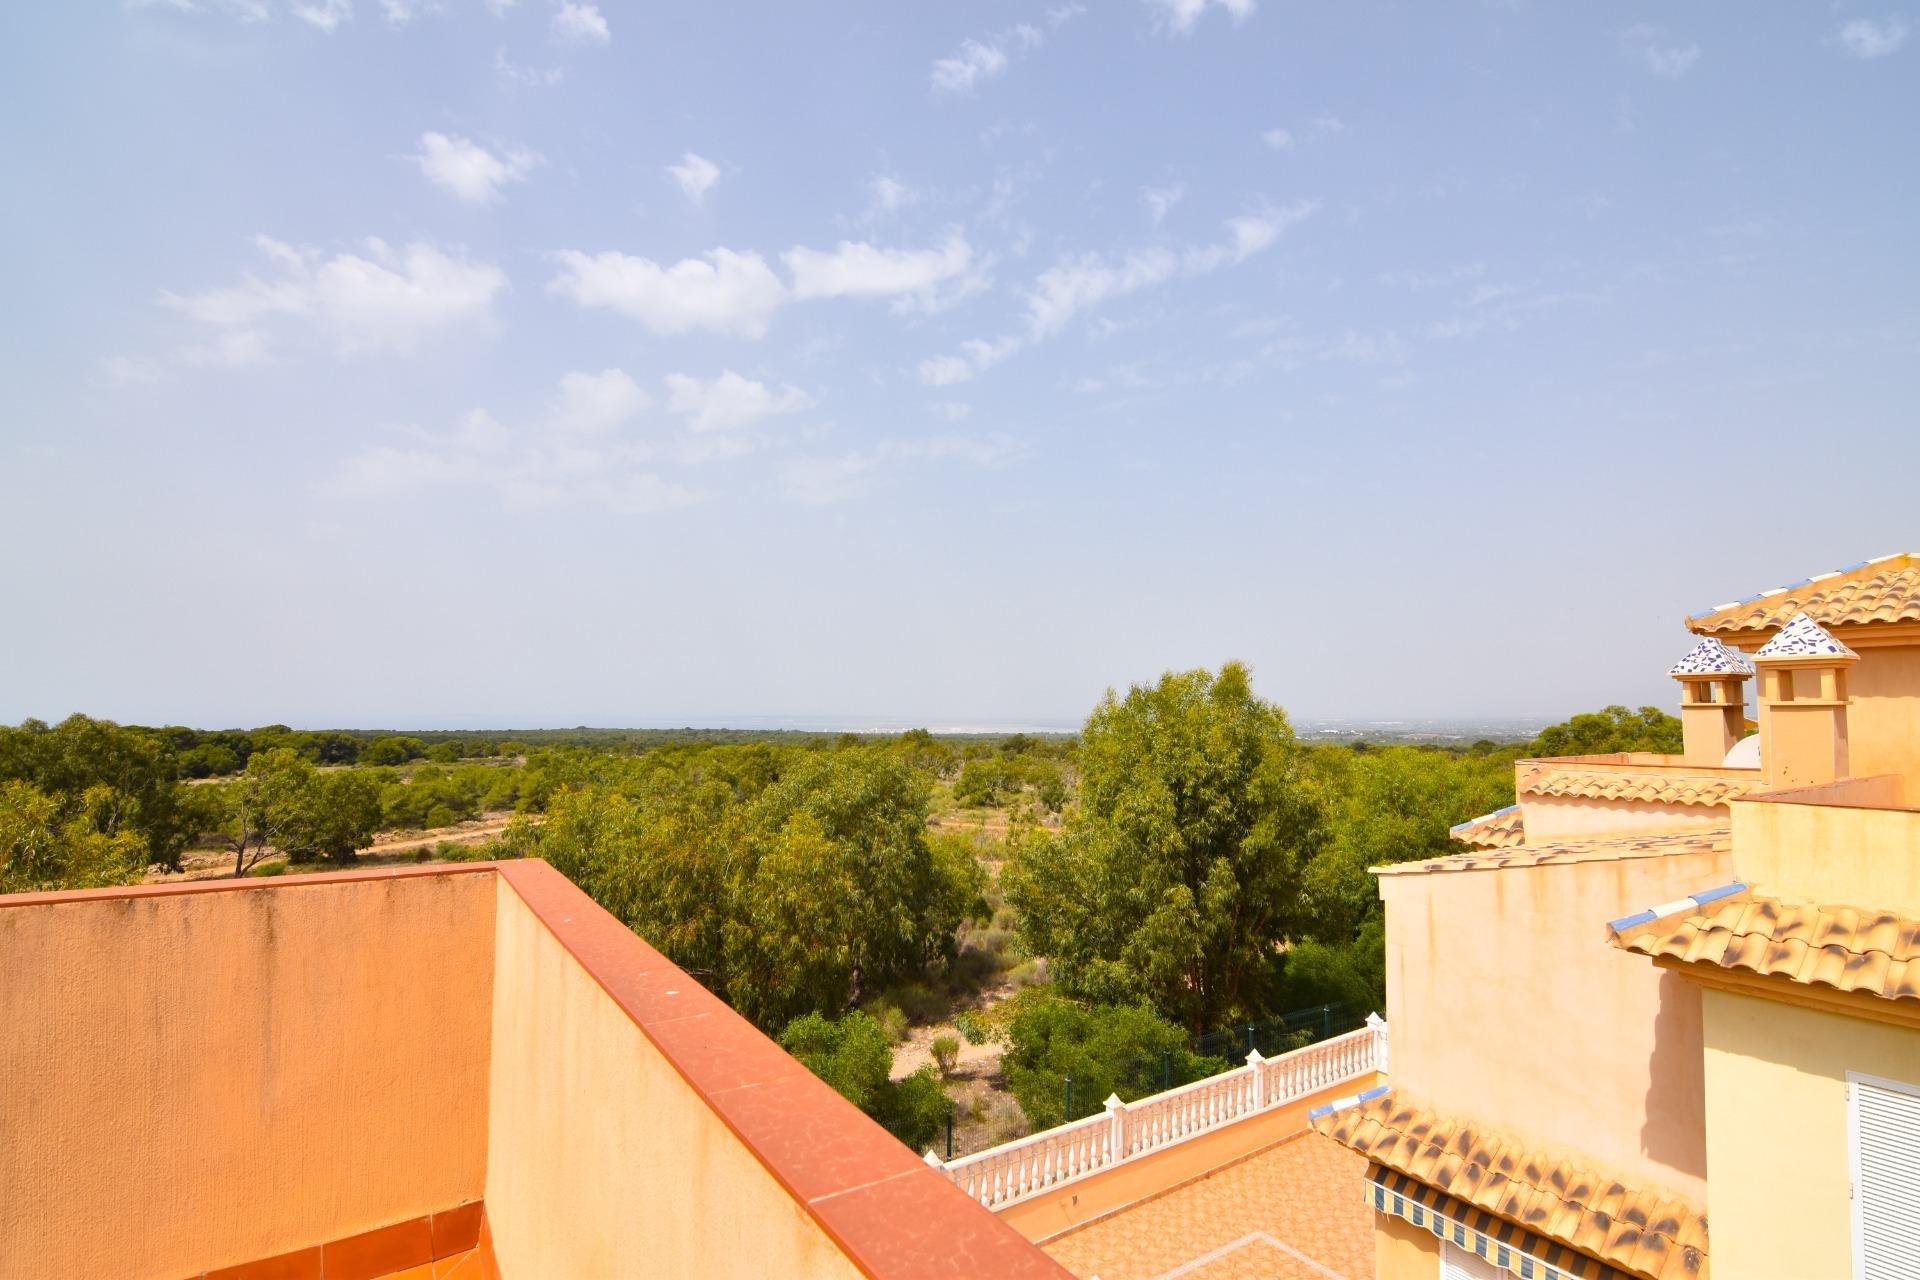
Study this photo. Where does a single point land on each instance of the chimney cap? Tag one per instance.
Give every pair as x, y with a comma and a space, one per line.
1804, 638
1712, 657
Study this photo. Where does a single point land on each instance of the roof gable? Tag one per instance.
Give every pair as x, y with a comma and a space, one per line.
1711, 657
1804, 638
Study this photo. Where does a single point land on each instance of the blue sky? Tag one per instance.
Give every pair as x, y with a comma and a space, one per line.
546, 363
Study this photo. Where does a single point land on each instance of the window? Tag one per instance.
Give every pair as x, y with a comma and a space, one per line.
1464, 1264
1883, 1138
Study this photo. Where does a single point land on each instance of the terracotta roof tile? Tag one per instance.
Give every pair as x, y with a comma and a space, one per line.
1596, 849
1846, 948
1643, 1229
1883, 590
1501, 829
1651, 786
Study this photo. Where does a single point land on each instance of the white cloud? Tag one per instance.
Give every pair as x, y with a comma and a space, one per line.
1181, 15
381, 299
696, 176
916, 279
468, 169
511, 72
1160, 199
730, 401
977, 355
1063, 291
1866, 38
1278, 139
725, 292
577, 455
244, 10
326, 15
593, 404
952, 410
1658, 53
579, 23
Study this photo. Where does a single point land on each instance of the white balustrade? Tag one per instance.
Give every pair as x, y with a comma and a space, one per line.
1124, 1130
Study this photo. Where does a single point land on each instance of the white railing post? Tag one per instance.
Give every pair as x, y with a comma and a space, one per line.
933, 1161
1116, 1128
1378, 1025
1254, 1064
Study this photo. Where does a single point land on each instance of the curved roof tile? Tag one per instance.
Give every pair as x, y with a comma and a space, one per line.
1883, 590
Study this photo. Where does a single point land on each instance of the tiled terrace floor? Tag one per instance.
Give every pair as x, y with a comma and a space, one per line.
1293, 1211
458, 1266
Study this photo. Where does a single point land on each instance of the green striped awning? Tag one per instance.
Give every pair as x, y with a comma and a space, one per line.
1504, 1244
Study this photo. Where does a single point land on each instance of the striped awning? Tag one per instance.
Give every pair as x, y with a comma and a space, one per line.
1504, 1244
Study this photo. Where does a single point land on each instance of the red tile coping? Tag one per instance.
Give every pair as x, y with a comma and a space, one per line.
891, 1214
377, 1253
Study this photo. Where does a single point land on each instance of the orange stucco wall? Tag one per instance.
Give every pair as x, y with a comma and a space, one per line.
1402, 1251
1507, 1003
1079, 1202
1827, 854
603, 1161
197, 1080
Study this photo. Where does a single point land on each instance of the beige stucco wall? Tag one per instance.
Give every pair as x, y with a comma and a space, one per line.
1777, 1131
203, 1079
1883, 724
1554, 818
1402, 1251
1506, 1002
603, 1161
1824, 854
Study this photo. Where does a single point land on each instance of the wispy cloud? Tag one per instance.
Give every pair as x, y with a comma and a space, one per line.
380, 298
695, 175
1180, 16
1080, 284
1868, 38
1659, 52
327, 15
511, 72
1160, 199
469, 170
988, 57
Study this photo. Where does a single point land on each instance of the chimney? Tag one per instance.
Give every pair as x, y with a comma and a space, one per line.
1803, 674
1713, 700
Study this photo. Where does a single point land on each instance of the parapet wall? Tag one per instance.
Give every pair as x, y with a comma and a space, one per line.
199, 1077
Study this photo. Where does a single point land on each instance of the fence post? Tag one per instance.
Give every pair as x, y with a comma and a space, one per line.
1069, 1114
1326, 1021
949, 1133
933, 1161
1166, 1070
1254, 1063
1378, 1025
1116, 1128
1249, 1037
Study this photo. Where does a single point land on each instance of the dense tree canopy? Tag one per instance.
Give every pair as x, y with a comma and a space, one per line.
852, 1055
1610, 729
1179, 870
1105, 1049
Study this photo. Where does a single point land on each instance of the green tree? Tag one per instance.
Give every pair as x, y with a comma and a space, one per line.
852, 1055
392, 750
1178, 874
1608, 730
1127, 1050
137, 768
59, 842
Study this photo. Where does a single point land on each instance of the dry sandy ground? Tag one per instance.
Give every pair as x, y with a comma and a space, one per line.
387, 846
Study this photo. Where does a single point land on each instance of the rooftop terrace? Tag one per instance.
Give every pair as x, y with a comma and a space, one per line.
423, 1071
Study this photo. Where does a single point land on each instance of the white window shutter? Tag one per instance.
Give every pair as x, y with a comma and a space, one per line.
1884, 1124
1464, 1264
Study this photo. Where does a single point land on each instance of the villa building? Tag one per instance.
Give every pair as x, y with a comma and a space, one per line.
1657, 993
1664, 992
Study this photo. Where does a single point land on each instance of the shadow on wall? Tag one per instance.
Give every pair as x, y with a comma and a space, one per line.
1675, 1130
